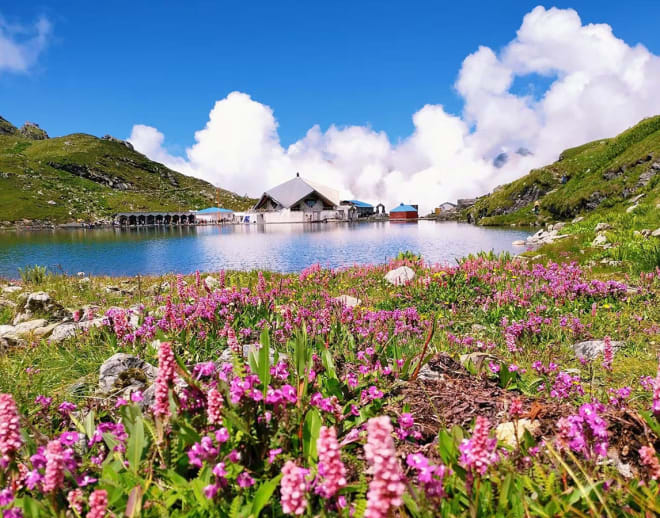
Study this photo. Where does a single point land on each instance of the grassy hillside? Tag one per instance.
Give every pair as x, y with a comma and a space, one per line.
601, 175
83, 177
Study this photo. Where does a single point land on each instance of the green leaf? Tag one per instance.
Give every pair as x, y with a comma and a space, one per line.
135, 445
263, 495
311, 430
329, 364
264, 360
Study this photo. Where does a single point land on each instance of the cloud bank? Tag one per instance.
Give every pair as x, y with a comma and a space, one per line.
21, 45
598, 86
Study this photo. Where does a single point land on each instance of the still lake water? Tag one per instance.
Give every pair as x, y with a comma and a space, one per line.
284, 248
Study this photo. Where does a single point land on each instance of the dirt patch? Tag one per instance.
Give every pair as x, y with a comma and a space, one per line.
457, 397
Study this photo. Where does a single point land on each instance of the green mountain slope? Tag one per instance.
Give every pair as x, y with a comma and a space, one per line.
82, 177
600, 175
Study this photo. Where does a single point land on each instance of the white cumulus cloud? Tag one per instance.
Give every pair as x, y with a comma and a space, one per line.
21, 45
598, 86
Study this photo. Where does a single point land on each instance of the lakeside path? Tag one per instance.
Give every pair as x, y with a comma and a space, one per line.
490, 386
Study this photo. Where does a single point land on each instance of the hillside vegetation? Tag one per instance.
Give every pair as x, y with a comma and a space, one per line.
599, 176
611, 199
83, 177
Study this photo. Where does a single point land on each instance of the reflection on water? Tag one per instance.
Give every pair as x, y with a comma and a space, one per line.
283, 247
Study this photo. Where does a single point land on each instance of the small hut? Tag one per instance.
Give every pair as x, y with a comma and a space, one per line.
404, 212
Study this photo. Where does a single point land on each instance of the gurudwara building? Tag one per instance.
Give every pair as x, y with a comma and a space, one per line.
300, 201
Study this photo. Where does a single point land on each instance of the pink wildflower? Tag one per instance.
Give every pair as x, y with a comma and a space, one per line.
649, 459
293, 488
331, 468
75, 499
98, 503
386, 486
54, 477
232, 342
214, 406
10, 433
479, 452
161, 406
516, 408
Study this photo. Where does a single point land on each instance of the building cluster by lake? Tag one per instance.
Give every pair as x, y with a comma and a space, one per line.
298, 200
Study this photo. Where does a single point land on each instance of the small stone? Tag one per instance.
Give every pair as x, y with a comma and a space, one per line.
590, 349
125, 373
631, 209
28, 327
518, 242
67, 330
348, 301
599, 240
211, 283
11, 289
399, 276
656, 232
506, 432
602, 226
577, 220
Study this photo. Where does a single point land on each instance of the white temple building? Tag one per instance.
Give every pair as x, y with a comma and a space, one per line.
300, 201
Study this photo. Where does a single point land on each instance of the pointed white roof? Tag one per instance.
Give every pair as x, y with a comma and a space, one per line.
292, 191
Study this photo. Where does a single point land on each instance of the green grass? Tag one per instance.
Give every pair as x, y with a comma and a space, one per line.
34, 172
585, 167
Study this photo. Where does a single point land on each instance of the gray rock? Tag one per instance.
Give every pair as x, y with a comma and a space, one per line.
599, 240
592, 348
602, 226
577, 220
399, 276
124, 373
45, 331
518, 242
68, 330
656, 232
6, 329
11, 289
347, 300
40, 304
426, 373
211, 283
632, 208
559, 226
28, 327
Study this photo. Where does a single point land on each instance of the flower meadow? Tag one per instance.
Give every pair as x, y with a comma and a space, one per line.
456, 393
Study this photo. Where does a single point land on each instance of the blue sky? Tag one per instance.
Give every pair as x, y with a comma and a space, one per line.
110, 65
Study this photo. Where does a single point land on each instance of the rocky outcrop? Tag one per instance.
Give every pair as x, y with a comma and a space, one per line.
7, 128
32, 131
119, 141
544, 237
89, 173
